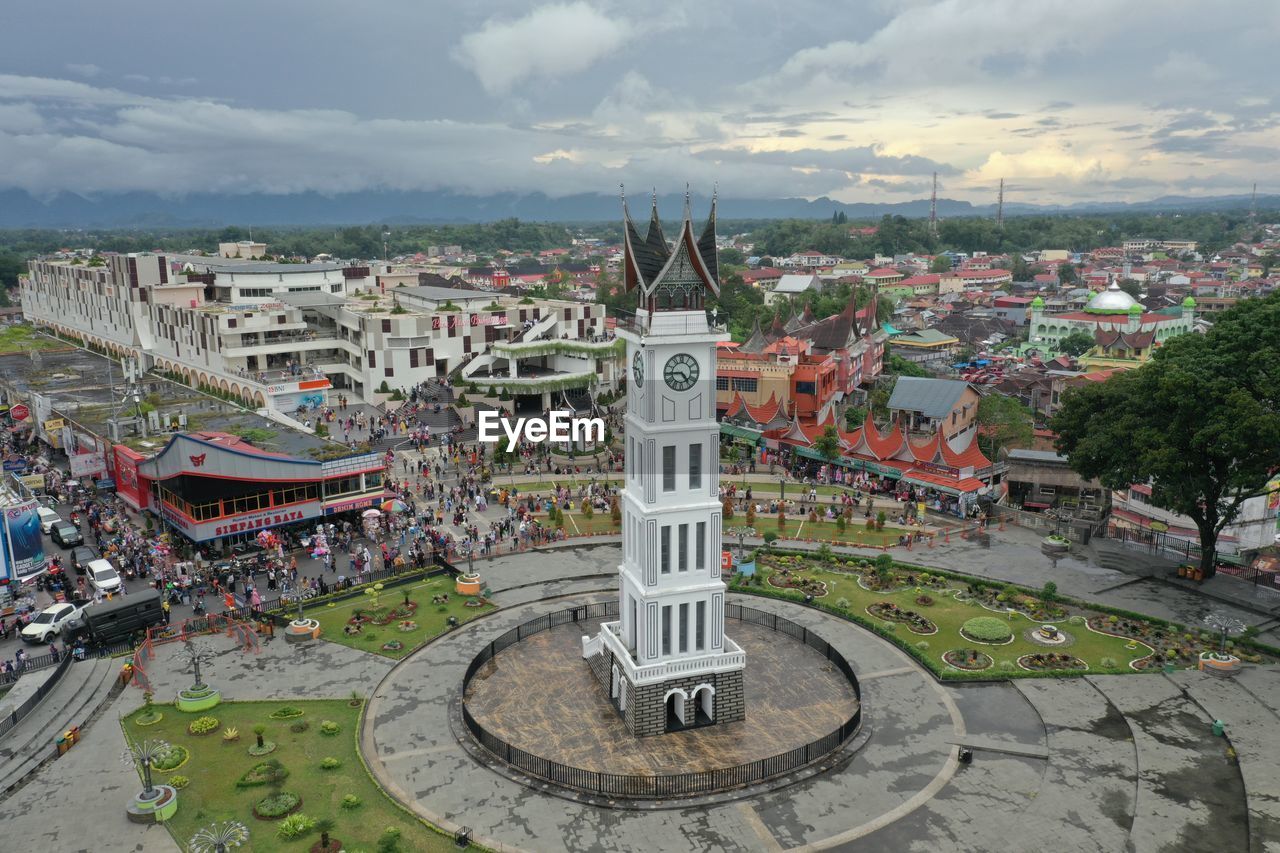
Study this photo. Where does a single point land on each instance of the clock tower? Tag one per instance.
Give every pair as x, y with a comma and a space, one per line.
667, 662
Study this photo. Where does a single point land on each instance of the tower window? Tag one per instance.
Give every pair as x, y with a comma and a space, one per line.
669, 468
666, 549
684, 627
683, 542
695, 466
700, 540
700, 626
666, 630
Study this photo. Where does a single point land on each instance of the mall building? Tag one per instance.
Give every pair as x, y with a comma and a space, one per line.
280, 336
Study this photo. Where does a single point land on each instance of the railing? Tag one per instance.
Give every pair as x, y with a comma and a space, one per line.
667, 785
26, 707
663, 323
33, 663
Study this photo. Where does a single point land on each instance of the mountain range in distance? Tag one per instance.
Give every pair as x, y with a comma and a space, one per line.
19, 209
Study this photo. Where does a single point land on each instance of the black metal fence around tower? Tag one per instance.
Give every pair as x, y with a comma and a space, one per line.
666, 785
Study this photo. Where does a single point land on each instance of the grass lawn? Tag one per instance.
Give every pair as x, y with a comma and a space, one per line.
431, 618
21, 338
949, 614
575, 524
214, 767
855, 532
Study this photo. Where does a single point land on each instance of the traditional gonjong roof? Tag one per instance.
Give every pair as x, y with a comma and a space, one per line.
649, 262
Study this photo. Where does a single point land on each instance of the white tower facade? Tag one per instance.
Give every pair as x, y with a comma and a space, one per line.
667, 661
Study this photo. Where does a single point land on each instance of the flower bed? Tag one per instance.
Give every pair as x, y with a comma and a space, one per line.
1047, 661
809, 586
288, 712
262, 774
393, 646
408, 625
970, 660
277, 806
891, 612
203, 726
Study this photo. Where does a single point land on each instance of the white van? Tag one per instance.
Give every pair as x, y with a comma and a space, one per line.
47, 518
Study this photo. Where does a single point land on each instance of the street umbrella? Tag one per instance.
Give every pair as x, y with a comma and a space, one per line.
370, 513
395, 505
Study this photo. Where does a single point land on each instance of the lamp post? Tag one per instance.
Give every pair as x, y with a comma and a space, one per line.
1225, 625
742, 533
142, 755
197, 657
218, 837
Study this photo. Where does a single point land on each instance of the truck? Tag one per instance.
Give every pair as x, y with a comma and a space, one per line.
122, 618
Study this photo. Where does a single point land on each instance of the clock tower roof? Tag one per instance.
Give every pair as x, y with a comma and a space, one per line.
651, 265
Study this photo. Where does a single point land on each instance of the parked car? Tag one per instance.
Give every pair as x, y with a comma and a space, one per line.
81, 557
65, 534
103, 576
50, 622
47, 518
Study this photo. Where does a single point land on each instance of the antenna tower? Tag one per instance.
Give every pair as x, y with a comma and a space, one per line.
933, 207
1000, 207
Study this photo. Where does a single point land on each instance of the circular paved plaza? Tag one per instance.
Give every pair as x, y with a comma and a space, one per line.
1099, 763
540, 696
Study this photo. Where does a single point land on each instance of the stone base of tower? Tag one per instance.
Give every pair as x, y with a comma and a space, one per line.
672, 705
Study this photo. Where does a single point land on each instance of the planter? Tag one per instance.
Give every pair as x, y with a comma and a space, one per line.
915, 623
1217, 664
193, 699
301, 630
155, 809
148, 718
468, 584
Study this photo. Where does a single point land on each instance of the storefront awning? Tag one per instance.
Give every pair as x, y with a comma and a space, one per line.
744, 433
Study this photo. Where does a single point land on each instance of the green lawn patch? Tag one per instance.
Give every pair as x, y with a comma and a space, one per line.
406, 630
345, 794
1013, 631
23, 338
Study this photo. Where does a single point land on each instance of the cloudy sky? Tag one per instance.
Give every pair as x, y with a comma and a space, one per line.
861, 100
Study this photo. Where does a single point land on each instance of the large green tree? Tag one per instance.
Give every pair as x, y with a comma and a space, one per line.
1200, 422
1002, 422
1077, 343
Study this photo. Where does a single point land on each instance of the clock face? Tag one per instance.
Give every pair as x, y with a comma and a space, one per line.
681, 371
637, 368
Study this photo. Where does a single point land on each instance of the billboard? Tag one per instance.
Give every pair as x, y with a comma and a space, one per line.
23, 546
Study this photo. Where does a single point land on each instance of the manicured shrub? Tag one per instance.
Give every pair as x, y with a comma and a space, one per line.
987, 629
1076, 620
923, 645
203, 725
351, 801
288, 712
179, 781
1107, 663
278, 804
175, 757
842, 603
1006, 665
299, 727
330, 763
294, 826
329, 727
263, 774
231, 733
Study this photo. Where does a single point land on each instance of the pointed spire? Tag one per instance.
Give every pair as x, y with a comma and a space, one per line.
707, 242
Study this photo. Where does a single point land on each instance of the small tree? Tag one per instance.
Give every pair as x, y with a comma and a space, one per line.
884, 565
384, 388
258, 731
726, 508
880, 520
615, 510
751, 515
325, 826
1050, 591
813, 516
840, 524
823, 553
782, 519
587, 511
